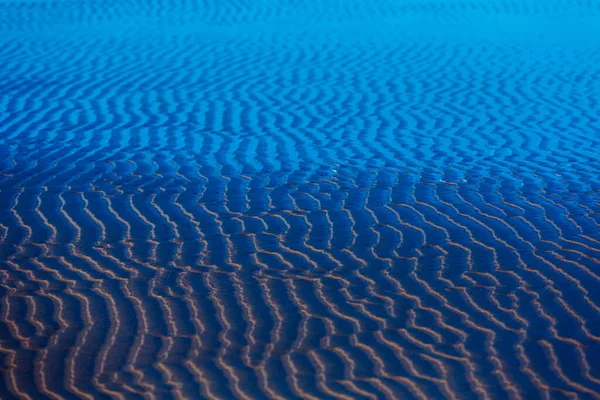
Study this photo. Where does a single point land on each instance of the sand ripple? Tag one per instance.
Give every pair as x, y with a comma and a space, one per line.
291, 200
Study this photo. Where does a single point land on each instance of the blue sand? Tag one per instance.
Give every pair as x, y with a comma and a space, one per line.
326, 199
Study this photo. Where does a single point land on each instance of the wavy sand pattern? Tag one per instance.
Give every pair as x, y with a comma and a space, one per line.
285, 199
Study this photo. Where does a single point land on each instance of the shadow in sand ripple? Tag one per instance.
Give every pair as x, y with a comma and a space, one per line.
348, 200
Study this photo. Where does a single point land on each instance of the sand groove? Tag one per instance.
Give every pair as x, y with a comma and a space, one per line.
275, 199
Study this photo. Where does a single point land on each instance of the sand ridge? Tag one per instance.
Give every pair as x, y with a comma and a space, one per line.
288, 199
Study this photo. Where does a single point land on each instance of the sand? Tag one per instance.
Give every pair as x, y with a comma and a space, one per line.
299, 199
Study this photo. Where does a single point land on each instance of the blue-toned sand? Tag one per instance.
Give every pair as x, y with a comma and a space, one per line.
333, 199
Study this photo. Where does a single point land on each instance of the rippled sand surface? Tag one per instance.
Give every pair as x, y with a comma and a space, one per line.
351, 199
